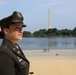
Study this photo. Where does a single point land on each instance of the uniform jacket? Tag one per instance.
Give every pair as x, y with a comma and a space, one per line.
12, 60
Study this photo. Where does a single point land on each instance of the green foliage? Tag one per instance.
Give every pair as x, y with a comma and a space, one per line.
26, 34
74, 31
40, 33
64, 32
50, 32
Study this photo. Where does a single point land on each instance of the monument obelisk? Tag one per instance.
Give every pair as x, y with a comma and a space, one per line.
49, 19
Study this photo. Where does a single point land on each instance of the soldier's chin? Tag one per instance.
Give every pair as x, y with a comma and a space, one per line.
19, 39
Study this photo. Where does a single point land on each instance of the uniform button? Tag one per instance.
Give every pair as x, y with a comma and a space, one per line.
13, 48
18, 52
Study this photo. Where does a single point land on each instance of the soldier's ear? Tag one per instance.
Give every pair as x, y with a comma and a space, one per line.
5, 30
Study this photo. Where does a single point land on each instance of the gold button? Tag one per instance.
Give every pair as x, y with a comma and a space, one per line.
18, 52
13, 48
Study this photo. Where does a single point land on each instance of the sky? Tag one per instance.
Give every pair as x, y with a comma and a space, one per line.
35, 13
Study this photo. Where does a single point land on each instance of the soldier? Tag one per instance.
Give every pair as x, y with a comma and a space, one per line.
12, 59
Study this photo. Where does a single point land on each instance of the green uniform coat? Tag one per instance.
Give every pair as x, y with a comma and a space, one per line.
12, 60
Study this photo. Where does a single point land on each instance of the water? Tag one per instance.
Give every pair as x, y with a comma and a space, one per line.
54, 43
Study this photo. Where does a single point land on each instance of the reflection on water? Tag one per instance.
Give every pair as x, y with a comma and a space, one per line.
48, 43
75, 41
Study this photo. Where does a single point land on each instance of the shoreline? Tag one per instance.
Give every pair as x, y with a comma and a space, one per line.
48, 63
39, 53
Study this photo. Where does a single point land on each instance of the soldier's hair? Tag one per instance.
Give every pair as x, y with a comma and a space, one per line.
2, 35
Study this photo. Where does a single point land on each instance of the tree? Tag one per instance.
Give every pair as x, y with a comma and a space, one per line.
49, 31
64, 32
40, 33
26, 34
36, 33
74, 31
54, 30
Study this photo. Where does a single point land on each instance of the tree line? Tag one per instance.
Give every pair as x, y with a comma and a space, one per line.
51, 32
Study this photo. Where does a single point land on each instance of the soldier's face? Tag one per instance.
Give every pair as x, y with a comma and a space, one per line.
14, 32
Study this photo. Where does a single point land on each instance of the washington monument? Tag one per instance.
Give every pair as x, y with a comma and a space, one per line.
49, 19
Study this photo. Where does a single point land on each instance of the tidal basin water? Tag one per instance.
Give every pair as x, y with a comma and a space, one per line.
53, 43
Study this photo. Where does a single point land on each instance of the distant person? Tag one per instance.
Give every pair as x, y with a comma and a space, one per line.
44, 49
12, 59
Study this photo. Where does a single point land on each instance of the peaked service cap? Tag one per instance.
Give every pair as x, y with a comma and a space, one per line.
16, 17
